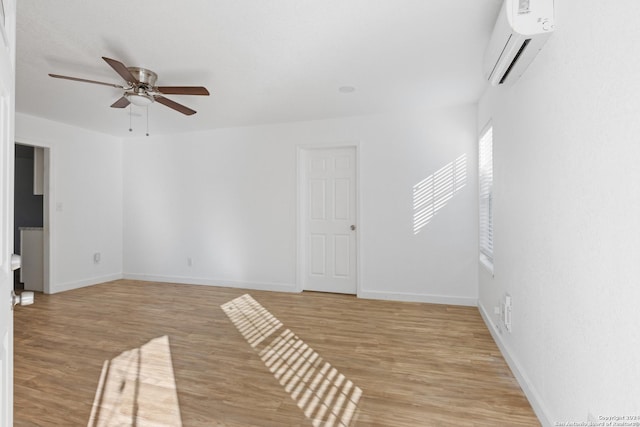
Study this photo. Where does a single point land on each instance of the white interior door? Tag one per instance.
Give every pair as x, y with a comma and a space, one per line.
7, 112
329, 215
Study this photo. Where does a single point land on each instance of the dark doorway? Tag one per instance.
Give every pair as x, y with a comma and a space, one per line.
28, 206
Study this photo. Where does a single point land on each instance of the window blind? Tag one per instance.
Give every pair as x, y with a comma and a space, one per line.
485, 168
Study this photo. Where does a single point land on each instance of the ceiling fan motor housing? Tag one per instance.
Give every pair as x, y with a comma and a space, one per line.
146, 78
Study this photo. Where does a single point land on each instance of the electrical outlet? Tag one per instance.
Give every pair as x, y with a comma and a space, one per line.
96, 258
507, 312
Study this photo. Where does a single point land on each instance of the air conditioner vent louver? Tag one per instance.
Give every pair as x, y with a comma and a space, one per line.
515, 60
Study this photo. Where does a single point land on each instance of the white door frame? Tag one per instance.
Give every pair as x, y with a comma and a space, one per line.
301, 251
7, 160
48, 211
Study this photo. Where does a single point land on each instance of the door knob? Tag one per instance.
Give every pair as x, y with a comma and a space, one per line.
353, 227
25, 298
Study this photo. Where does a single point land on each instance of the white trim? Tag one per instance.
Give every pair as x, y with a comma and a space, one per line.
222, 283
62, 287
300, 233
47, 200
523, 380
425, 298
300, 246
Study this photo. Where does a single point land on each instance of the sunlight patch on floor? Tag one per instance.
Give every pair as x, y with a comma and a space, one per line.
325, 396
254, 322
138, 388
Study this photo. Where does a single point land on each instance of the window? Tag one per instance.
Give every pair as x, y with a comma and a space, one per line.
485, 169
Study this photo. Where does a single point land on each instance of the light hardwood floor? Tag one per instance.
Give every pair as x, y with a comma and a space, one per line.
141, 353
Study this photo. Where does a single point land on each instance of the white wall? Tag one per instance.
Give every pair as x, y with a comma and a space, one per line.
86, 182
567, 215
227, 199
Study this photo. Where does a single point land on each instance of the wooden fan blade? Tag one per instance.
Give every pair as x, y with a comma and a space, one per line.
121, 69
183, 90
120, 103
172, 104
76, 79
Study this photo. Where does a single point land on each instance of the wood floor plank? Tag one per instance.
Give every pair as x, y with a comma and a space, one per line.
415, 364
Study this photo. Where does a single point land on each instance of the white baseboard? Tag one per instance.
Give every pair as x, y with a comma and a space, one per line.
259, 286
528, 389
407, 297
62, 287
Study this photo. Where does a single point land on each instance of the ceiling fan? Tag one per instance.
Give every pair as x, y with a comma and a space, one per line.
140, 88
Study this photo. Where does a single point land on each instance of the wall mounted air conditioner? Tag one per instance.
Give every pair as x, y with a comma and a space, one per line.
522, 28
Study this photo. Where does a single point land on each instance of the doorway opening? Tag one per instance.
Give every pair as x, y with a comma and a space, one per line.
31, 219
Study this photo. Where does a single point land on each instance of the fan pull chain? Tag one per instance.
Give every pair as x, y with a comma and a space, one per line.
147, 120
130, 127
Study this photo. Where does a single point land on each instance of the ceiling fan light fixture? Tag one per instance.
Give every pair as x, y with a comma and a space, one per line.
141, 100
141, 89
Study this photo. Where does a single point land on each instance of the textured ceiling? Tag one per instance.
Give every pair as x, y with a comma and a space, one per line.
264, 61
